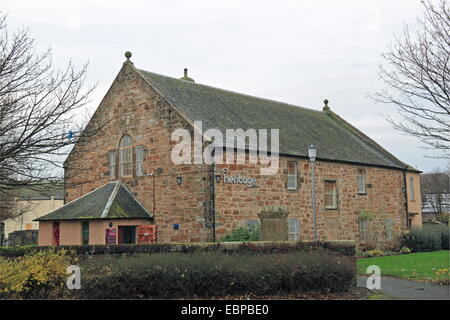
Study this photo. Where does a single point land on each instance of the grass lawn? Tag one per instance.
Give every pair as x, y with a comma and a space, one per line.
428, 266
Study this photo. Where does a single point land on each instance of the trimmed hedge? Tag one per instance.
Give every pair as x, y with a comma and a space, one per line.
213, 274
259, 247
429, 238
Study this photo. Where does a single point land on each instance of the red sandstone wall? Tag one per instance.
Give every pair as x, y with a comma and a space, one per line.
152, 122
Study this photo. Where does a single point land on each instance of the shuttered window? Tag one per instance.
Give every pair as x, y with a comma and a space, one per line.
112, 165
139, 160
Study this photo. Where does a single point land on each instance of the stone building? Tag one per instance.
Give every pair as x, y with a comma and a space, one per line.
362, 192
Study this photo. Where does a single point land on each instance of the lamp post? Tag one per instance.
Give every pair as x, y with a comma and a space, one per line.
312, 157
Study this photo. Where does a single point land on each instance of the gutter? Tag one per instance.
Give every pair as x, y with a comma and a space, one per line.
406, 197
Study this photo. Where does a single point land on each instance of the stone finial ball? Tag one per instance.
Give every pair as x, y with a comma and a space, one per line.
128, 54
325, 101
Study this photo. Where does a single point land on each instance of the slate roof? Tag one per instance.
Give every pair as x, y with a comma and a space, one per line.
299, 127
111, 201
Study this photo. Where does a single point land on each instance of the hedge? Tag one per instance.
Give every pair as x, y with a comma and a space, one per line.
213, 274
259, 247
429, 238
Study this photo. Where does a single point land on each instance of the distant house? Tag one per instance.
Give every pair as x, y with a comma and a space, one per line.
28, 205
435, 189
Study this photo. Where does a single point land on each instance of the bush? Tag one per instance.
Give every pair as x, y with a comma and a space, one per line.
405, 250
375, 253
37, 275
429, 238
242, 234
213, 274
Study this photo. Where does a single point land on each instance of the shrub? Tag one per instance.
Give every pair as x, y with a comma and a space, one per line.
213, 274
36, 275
242, 234
405, 250
375, 253
429, 238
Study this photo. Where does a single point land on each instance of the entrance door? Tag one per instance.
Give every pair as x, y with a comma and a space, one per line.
127, 234
55, 240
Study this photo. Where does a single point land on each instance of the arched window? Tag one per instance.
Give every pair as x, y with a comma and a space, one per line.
125, 156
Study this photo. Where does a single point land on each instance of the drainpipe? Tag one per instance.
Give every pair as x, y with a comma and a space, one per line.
213, 203
406, 198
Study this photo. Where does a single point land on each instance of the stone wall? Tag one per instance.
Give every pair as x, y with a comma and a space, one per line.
134, 108
384, 199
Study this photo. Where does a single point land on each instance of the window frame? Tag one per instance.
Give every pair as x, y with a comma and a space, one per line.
254, 223
294, 235
128, 148
361, 181
112, 164
292, 177
334, 195
389, 228
139, 163
412, 195
364, 233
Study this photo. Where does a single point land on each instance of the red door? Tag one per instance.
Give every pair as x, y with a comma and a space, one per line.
55, 240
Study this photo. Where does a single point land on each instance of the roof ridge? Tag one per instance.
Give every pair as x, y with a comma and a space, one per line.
110, 200
84, 195
230, 91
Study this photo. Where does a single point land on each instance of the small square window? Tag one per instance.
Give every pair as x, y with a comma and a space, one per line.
250, 224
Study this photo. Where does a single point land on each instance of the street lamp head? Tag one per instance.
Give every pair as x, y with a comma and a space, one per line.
217, 177
179, 180
312, 152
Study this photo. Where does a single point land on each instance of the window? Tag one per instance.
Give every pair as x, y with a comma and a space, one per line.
389, 229
330, 195
139, 160
292, 175
361, 179
364, 232
125, 156
294, 233
250, 224
85, 233
411, 188
112, 164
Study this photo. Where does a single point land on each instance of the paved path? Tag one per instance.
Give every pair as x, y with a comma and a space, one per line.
405, 289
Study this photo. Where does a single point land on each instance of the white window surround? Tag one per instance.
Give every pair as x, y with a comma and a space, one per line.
294, 229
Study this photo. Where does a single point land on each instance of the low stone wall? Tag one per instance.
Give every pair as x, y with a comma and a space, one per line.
345, 247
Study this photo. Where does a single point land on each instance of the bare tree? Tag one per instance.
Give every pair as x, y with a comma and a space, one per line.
416, 74
38, 108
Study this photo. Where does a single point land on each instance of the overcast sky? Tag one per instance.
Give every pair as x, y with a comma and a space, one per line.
299, 52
